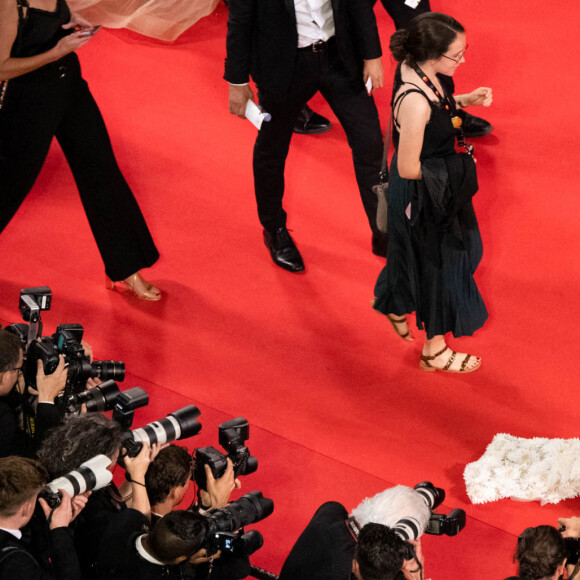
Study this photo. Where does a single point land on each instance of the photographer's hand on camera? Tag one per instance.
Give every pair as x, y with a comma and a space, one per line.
218, 490
413, 568
66, 512
570, 527
201, 557
136, 468
48, 387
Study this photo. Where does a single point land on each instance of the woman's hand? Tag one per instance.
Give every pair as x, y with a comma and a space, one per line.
481, 96
77, 22
70, 43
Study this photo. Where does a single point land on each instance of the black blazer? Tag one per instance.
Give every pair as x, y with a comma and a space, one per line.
262, 40
20, 563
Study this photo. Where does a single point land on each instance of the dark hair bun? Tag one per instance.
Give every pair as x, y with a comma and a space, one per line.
398, 44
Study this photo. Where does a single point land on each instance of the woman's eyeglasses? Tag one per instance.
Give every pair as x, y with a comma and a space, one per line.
457, 57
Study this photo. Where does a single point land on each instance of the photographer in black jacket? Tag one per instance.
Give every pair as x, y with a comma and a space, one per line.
13, 440
174, 547
20, 481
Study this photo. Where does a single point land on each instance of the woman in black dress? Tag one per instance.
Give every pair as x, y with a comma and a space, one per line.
43, 95
434, 245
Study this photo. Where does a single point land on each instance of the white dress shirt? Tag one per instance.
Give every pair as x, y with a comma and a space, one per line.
314, 21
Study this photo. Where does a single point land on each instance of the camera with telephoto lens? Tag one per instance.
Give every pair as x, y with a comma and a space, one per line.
225, 525
409, 528
180, 424
232, 436
90, 476
105, 397
66, 340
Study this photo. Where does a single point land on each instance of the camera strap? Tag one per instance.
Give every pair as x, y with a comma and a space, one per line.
353, 527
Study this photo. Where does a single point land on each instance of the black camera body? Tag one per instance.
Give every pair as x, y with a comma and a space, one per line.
448, 525
235, 543
232, 436
572, 546
225, 525
67, 340
52, 498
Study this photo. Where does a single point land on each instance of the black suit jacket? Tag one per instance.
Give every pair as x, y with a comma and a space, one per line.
262, 40
20, 563
324, 550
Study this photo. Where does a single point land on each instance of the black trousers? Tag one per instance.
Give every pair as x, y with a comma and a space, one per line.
401, 13
55, 101
356, 111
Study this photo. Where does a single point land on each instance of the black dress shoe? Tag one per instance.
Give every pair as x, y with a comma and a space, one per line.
311, 123
283, 250
474, 126
379, 242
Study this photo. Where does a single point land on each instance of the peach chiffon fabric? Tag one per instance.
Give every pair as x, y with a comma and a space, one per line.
162, 19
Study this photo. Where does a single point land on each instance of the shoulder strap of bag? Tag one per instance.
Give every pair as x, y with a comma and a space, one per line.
7, 551
384, 174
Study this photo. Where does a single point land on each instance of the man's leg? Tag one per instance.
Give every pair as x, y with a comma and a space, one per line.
358, 115
270, 152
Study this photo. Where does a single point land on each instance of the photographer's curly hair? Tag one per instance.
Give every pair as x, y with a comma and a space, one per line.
380, 553
539, 552
78, 440
426, 37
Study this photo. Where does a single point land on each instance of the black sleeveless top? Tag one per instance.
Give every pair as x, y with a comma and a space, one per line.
440, 135
39, 30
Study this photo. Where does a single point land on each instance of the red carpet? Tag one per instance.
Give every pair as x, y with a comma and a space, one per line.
338, 407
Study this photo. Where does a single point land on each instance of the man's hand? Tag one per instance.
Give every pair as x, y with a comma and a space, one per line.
137, 466
373, 69
63, 515
571, 527
201, 557
411, 568
219, 490
48, 387
239, 97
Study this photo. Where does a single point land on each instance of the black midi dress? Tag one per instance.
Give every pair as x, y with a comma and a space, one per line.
434, 245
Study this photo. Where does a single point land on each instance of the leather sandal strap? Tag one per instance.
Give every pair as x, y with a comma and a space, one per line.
464, 363
427, 358
397, 320
450, 360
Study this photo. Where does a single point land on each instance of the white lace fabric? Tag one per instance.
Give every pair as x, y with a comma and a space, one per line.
538, 469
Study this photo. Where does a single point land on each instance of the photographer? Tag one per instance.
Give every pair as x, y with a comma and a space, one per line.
540, 554
20, 482
167, 480
334, 544
13, 440
73, 443
175, 545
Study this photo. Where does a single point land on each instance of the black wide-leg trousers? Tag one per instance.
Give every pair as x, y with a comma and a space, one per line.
354, 108
55, 101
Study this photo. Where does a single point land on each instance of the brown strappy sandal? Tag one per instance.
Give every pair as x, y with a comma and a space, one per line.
394, 322
425, 365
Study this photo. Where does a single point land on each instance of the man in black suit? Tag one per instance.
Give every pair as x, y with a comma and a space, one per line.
292, 49
334, 547
20, 481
